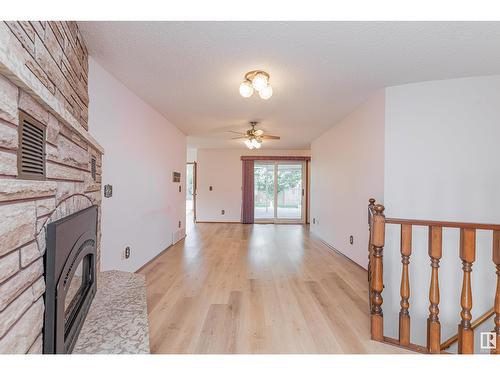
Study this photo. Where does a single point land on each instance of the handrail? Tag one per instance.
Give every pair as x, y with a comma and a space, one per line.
444, 224
476, 323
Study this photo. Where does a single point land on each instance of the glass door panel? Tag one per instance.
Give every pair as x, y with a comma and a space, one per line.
289, 191
278, 191
264, 181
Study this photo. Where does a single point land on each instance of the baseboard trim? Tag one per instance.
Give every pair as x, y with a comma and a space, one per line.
340, 253
158, 255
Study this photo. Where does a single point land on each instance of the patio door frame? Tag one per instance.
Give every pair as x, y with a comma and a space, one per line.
303, 214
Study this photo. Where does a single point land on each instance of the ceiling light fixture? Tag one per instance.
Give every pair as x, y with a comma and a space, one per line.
258, 80
253, 137
253, 143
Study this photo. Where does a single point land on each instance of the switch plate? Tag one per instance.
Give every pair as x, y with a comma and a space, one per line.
108, 191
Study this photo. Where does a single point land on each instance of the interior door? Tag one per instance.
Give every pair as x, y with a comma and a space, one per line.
191, 190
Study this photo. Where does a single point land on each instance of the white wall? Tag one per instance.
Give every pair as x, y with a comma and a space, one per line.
347, 168
222, 169
441, 163
142, 149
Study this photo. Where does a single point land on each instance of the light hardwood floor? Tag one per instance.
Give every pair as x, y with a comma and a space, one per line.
233, 288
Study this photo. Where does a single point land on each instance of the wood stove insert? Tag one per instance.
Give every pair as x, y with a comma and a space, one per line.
70, 278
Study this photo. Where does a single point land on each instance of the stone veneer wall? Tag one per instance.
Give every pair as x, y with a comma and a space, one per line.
43, 72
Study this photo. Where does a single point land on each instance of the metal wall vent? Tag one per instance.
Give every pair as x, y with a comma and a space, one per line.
31, 153
93, 168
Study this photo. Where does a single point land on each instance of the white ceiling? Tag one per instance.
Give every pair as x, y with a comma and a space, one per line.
320, 71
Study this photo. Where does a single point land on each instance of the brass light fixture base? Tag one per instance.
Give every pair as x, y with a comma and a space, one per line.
251, 75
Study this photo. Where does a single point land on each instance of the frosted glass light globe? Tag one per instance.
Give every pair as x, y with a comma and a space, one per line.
257, 144
246, 89
259, 81
266, 92
249, 144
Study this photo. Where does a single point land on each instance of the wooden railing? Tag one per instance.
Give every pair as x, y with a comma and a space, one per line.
465, 335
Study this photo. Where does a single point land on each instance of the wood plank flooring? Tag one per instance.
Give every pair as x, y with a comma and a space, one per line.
234, 288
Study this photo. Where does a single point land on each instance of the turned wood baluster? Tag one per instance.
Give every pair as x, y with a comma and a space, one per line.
377, 283
371, 203
468, 256
496, 306
433, 324
404, 314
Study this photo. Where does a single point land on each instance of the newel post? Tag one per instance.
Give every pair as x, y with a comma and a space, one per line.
377, 281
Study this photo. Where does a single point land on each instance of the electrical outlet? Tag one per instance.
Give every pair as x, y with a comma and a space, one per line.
180, 188
351, 239
180, 224
223, 212
127, 252
314, 220
210, 188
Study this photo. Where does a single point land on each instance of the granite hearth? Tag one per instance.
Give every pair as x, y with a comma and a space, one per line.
117, 322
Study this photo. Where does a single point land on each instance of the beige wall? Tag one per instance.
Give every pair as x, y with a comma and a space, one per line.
142, 150
347, 168
221, 169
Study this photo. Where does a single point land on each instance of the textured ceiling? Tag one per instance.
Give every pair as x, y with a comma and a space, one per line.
320, 71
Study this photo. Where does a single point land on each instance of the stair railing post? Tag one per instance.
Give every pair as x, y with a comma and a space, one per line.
468, 256
371, 204
404, 314
377, 282
433, 323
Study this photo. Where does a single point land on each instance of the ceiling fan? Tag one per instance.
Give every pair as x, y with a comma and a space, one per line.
253, 137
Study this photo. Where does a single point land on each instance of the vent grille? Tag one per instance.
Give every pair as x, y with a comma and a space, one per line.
93, 168
31, 154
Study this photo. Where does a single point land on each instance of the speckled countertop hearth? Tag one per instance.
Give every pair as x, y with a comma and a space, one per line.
117, 322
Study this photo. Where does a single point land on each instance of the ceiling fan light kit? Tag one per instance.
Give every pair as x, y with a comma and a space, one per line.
253, 143
256, 80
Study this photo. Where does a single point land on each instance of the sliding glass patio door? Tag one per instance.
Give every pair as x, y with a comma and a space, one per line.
279, 191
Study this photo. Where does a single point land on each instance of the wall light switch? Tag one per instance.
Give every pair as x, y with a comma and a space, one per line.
210, 188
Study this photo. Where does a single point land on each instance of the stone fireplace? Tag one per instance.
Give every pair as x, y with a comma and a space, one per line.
43, 75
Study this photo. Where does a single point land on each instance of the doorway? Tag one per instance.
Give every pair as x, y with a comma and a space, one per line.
191, 191
279, 191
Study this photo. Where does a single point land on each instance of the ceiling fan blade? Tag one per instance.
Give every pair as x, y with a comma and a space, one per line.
270, 137
243, 137
232, 131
